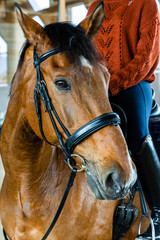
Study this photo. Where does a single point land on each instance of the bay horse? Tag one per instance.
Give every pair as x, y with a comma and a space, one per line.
61, 60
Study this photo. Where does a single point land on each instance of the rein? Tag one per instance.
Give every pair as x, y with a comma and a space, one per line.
73, 140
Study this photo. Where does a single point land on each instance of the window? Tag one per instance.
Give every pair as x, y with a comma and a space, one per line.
78, 13
3, 59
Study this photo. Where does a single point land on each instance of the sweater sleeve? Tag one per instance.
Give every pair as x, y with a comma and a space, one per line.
145, 61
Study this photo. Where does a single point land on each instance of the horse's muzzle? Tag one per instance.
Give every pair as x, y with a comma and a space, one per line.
113, 187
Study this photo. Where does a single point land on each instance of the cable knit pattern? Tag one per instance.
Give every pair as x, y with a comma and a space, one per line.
128, 40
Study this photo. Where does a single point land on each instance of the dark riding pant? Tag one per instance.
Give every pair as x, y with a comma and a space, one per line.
137, 104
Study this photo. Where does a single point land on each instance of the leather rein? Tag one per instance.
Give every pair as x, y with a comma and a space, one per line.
40, 92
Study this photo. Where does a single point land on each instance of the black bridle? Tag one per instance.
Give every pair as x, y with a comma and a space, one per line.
83, 132
74, 139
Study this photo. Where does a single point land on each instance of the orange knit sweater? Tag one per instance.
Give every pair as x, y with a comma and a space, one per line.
128, 40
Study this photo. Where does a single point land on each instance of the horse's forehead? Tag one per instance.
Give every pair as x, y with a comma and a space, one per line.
86, 63
63, 61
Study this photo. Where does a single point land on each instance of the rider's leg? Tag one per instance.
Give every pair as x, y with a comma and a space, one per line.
148, 166
137, 103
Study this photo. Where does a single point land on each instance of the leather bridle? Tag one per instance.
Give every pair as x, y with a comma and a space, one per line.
83, 132
74, 139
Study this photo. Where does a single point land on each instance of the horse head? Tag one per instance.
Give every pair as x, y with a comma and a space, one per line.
77, 86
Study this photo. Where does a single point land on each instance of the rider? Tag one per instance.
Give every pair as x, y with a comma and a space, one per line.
128, 41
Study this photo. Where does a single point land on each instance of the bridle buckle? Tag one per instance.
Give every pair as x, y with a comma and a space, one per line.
83, 167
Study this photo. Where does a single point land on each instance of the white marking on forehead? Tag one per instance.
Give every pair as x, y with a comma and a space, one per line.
86, 63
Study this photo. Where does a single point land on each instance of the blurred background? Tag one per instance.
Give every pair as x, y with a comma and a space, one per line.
43, 11
12, 39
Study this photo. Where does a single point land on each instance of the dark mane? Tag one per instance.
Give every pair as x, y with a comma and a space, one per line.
63, 35
67, 36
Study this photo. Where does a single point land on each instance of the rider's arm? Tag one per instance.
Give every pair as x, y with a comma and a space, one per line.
142, 66
146, 57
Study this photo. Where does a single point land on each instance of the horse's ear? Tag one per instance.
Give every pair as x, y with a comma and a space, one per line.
92, 23
33, 31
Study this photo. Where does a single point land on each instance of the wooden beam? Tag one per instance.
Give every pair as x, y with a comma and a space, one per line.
62, 10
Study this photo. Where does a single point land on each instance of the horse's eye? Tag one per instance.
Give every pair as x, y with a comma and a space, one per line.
62, 84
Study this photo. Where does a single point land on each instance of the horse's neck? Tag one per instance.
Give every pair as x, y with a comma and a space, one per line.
27, 159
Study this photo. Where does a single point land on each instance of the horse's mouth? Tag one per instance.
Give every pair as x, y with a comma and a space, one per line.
104, 194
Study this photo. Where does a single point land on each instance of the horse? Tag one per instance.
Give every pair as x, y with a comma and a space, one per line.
59, 120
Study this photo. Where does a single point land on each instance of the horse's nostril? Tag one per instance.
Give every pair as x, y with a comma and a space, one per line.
114, 182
